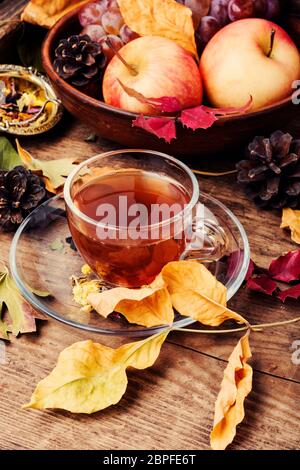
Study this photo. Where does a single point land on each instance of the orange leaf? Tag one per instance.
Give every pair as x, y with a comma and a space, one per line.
196, 293
236, 385
160, 18
291, 220
53, 172
148, 306
46, 13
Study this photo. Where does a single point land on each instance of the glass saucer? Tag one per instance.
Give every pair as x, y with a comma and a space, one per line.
42, 260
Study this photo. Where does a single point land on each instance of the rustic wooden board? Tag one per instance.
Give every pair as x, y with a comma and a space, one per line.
170, 405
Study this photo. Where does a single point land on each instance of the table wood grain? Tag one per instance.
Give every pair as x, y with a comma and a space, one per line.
171, 405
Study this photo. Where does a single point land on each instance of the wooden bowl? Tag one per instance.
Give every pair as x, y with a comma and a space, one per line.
228, 133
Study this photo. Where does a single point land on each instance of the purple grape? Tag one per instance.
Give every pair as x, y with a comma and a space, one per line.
92, 13
260, 8
199, 8
219, 9
273, 9
126, 34
240, 9
207, 28
94, 31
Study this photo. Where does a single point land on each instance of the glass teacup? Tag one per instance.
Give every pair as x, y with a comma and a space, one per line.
130, 212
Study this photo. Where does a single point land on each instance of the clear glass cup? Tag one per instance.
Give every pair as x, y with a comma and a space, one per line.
128, 245
37, 268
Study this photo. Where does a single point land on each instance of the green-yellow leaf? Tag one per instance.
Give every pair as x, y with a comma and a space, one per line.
89, 377
9, 158
54, 171
20, 313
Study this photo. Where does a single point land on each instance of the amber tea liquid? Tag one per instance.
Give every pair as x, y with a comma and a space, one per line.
131, 261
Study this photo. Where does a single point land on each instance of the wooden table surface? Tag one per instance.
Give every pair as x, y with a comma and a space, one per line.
171, 405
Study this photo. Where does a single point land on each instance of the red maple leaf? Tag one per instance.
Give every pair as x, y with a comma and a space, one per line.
163, 128
286, 268
203, 117
292, 292
262, 284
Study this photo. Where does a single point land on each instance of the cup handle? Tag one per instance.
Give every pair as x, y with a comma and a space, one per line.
208, 241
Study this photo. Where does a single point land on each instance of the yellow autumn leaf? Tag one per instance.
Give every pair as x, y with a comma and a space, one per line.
148, 306
160, 18
46, 13
53, 171
291, 220
236, 385
89, 377
196, 293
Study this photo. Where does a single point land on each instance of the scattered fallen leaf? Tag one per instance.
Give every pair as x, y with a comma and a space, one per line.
286, 268
156, 18
196, 293
236, 385
161, 127
53, 171
56, 245
46, 13
21, 316
90, 377
291, 220
148, 306
200, 117
291, 293
9, 158
165, 104
197, 118
262, 284
203, 117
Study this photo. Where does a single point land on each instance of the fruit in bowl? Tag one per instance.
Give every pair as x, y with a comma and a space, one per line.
154, 67
249, 57
102, 20
221, 131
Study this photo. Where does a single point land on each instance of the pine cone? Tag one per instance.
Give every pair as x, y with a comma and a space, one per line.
79, 60
20, 192
271, 173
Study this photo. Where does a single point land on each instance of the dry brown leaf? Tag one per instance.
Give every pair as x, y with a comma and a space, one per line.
291, 220
148, 306
236, 385
160, 18
46, 13
196, 293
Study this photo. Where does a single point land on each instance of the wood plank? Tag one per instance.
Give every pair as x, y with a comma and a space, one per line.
273, 347
9, 28
169, 406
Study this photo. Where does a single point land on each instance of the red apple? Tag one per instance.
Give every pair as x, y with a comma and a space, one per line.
249, 57
158, 67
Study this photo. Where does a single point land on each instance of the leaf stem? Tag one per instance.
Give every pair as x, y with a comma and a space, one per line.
208, 173
212, 332
256, 328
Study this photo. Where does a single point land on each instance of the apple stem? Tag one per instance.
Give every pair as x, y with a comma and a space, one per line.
128, 66
273, 33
